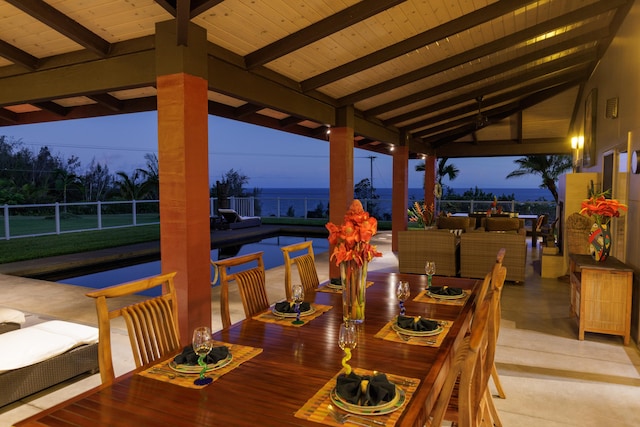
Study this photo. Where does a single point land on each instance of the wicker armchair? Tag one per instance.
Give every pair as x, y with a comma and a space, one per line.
477, 254
416, 246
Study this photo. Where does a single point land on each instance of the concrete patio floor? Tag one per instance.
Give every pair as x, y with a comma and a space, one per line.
550, 378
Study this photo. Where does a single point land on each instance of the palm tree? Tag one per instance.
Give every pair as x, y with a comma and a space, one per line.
151, 176
450, 171
548, 167
130, 186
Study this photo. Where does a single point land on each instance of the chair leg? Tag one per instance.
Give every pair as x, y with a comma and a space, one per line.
496, 381
493, 412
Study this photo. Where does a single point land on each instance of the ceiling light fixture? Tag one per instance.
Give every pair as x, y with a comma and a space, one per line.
481, 120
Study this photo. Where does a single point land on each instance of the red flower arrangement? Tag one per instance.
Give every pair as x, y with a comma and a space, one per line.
601, 208
352, 238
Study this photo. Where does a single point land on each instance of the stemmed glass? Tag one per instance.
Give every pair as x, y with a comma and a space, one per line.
297, 292
402, 292
347, 340
430, 269
202, 344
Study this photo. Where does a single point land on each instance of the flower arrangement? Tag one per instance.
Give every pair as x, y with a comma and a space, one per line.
352, 238
422, 214
601, 208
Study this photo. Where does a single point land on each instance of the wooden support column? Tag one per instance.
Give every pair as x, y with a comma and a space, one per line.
429, 179
185, 238
340, 171
400, 192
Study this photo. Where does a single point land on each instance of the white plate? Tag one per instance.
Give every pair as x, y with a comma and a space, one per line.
412, 333
438, 296
302, 313
334, 286
196, 369
386, 408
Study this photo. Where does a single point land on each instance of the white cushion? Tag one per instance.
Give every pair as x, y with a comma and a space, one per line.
34, 344
9, 315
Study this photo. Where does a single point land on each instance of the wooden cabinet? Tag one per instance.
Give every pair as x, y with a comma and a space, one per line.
601, 295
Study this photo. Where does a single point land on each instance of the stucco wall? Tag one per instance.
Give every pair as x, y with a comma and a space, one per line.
618, 75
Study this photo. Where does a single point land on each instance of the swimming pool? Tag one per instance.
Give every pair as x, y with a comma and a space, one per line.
270, 246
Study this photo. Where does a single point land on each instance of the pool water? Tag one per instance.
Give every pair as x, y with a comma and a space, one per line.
272, 257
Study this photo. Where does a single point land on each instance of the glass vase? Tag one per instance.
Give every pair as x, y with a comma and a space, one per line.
354, 285
600, 241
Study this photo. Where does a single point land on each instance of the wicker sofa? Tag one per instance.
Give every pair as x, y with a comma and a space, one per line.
478, 249
440, 244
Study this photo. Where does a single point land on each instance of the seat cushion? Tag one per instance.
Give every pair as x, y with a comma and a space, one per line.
502, 224
9, 315
454, 222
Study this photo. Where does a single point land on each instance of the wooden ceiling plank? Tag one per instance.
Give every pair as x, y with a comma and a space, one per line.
111, 102
18, 56
63, 24
473, 54
542, 70
430, 36
489, 71
327, 26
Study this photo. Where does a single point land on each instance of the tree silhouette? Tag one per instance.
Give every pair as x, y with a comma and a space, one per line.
548, 167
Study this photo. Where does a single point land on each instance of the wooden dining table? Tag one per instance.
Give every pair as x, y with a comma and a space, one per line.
294, 364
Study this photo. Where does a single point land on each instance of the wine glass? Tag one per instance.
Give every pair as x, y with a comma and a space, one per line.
297, 292
430, 269
202, 344
347, 340
402, 292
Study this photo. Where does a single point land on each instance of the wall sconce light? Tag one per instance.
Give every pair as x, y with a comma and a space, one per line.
577, 142
393, 147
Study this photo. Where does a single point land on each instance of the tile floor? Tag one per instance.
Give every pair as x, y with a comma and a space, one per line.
551, 379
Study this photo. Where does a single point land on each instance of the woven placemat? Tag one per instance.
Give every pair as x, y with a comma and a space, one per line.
162, 371
316, 408
329, 289
388, 333
269, 317
424, 297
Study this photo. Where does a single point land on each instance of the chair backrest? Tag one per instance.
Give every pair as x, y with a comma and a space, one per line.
305, 263
542, 220
250, 281
152, 324
465, 373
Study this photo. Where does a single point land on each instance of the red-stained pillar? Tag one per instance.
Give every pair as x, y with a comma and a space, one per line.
185, 241
429, 179
400, 192
340, 171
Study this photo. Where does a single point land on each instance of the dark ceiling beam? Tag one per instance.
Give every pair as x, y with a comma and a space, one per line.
289, 121
196, 8
571, 79
319, 30
418, 41
515, 125
107, 75
18, 56
183, 17
8, 116
484, 50
247, 109
52, 107
544, 146
106, 100
489, 72
563, 63
60, 22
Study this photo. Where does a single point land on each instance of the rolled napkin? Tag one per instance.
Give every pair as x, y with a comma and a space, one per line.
445, 290
290, 307
417, 323
365, 390
189, 357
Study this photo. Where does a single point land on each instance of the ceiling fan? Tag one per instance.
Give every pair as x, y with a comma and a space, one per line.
481, 120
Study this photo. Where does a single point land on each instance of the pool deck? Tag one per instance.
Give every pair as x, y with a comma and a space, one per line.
50, 267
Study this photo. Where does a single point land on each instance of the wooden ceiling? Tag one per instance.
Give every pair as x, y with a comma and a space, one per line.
458, 78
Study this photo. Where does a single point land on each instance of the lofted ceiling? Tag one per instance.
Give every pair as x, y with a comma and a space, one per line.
456, 78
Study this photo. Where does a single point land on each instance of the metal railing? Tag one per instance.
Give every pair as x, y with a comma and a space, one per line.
58, 218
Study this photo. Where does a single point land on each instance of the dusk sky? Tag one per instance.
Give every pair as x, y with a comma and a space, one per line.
270, 158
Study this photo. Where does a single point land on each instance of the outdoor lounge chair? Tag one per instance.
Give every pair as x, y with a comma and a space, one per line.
236, 221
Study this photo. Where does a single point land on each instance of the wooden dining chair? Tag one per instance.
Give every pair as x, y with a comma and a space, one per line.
152, 324
498, 276
462, 399
250, 281
305, 263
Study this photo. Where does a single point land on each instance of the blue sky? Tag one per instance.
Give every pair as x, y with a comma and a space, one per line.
269, 158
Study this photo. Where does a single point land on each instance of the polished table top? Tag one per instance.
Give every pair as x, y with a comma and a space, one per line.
295, 363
